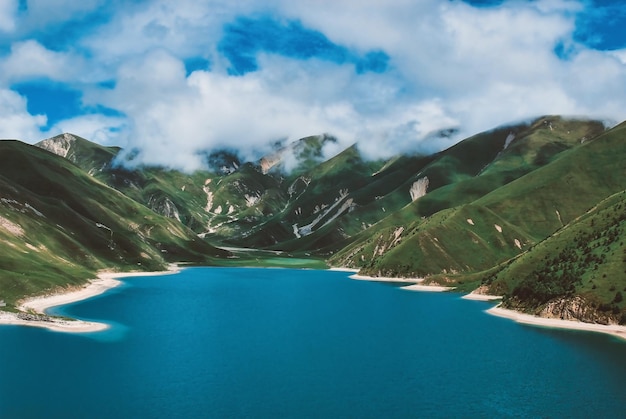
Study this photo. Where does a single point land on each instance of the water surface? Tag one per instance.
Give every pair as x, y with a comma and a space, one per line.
245, 342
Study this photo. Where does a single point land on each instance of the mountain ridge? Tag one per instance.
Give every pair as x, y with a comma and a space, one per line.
455, 217
60, 226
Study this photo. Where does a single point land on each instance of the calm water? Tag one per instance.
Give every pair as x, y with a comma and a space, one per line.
219, 342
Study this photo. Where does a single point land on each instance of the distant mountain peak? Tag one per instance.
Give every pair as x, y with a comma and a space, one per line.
296, 152
59, 145
89, 155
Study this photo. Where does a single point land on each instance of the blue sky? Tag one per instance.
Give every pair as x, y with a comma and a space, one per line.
172, 79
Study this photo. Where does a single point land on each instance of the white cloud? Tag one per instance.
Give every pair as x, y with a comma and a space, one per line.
97, 128
8, 9
364, 24
620, 55
451, 65
175, 117
185, 28
43, 14
30, 60
17, 123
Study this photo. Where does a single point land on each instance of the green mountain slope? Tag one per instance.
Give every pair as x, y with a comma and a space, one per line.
91, 157
444, 230
578, 273
542, 240
218, 203
345, 195
531, 211
59, 226
322, 206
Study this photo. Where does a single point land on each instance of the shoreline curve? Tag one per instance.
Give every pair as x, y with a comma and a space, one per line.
33, 310
529, 319
412, 284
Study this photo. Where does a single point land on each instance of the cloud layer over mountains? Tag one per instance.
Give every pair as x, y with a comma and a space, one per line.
171, 80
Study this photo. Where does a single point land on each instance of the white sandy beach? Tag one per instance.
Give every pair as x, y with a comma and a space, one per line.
427, 288
385, 279
57, 325
36, 307
615, 330
413, 284
481, 297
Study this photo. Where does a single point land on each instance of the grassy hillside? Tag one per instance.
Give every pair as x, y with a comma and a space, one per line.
551, 241
221, 203
531, 211
321, 206
59, 226
577, 273
444, 230
367, 192
91, 157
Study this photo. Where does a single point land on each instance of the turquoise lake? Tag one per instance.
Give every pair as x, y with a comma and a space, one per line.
269, 343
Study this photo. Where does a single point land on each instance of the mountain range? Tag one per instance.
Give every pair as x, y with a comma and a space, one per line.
533, 211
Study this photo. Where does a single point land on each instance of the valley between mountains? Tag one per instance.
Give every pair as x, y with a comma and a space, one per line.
534, 212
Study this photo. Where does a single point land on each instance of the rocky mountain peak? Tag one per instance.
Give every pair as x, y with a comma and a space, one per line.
59, 145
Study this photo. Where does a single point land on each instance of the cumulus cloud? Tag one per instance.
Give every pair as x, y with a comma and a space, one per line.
31, 60
8, 9
101, 129
450, 66
45, 14
177, 118
17, 123
186, 28
620, 55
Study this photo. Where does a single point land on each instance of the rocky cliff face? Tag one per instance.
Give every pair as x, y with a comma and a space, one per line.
575, 308
59, 145
164, 206
419, 188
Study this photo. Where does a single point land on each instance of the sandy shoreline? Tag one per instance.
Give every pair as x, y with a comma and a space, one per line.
614, 330
32, 311
427, 288
413, 284
339, 269
385, 279
481, 297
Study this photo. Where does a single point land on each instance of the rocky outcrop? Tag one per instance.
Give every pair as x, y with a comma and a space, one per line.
268, 162
165, 207
325, 215
32, 317
59, 145
419, 188
11, 227
573, 308
509, 139
384, 244
578, 309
